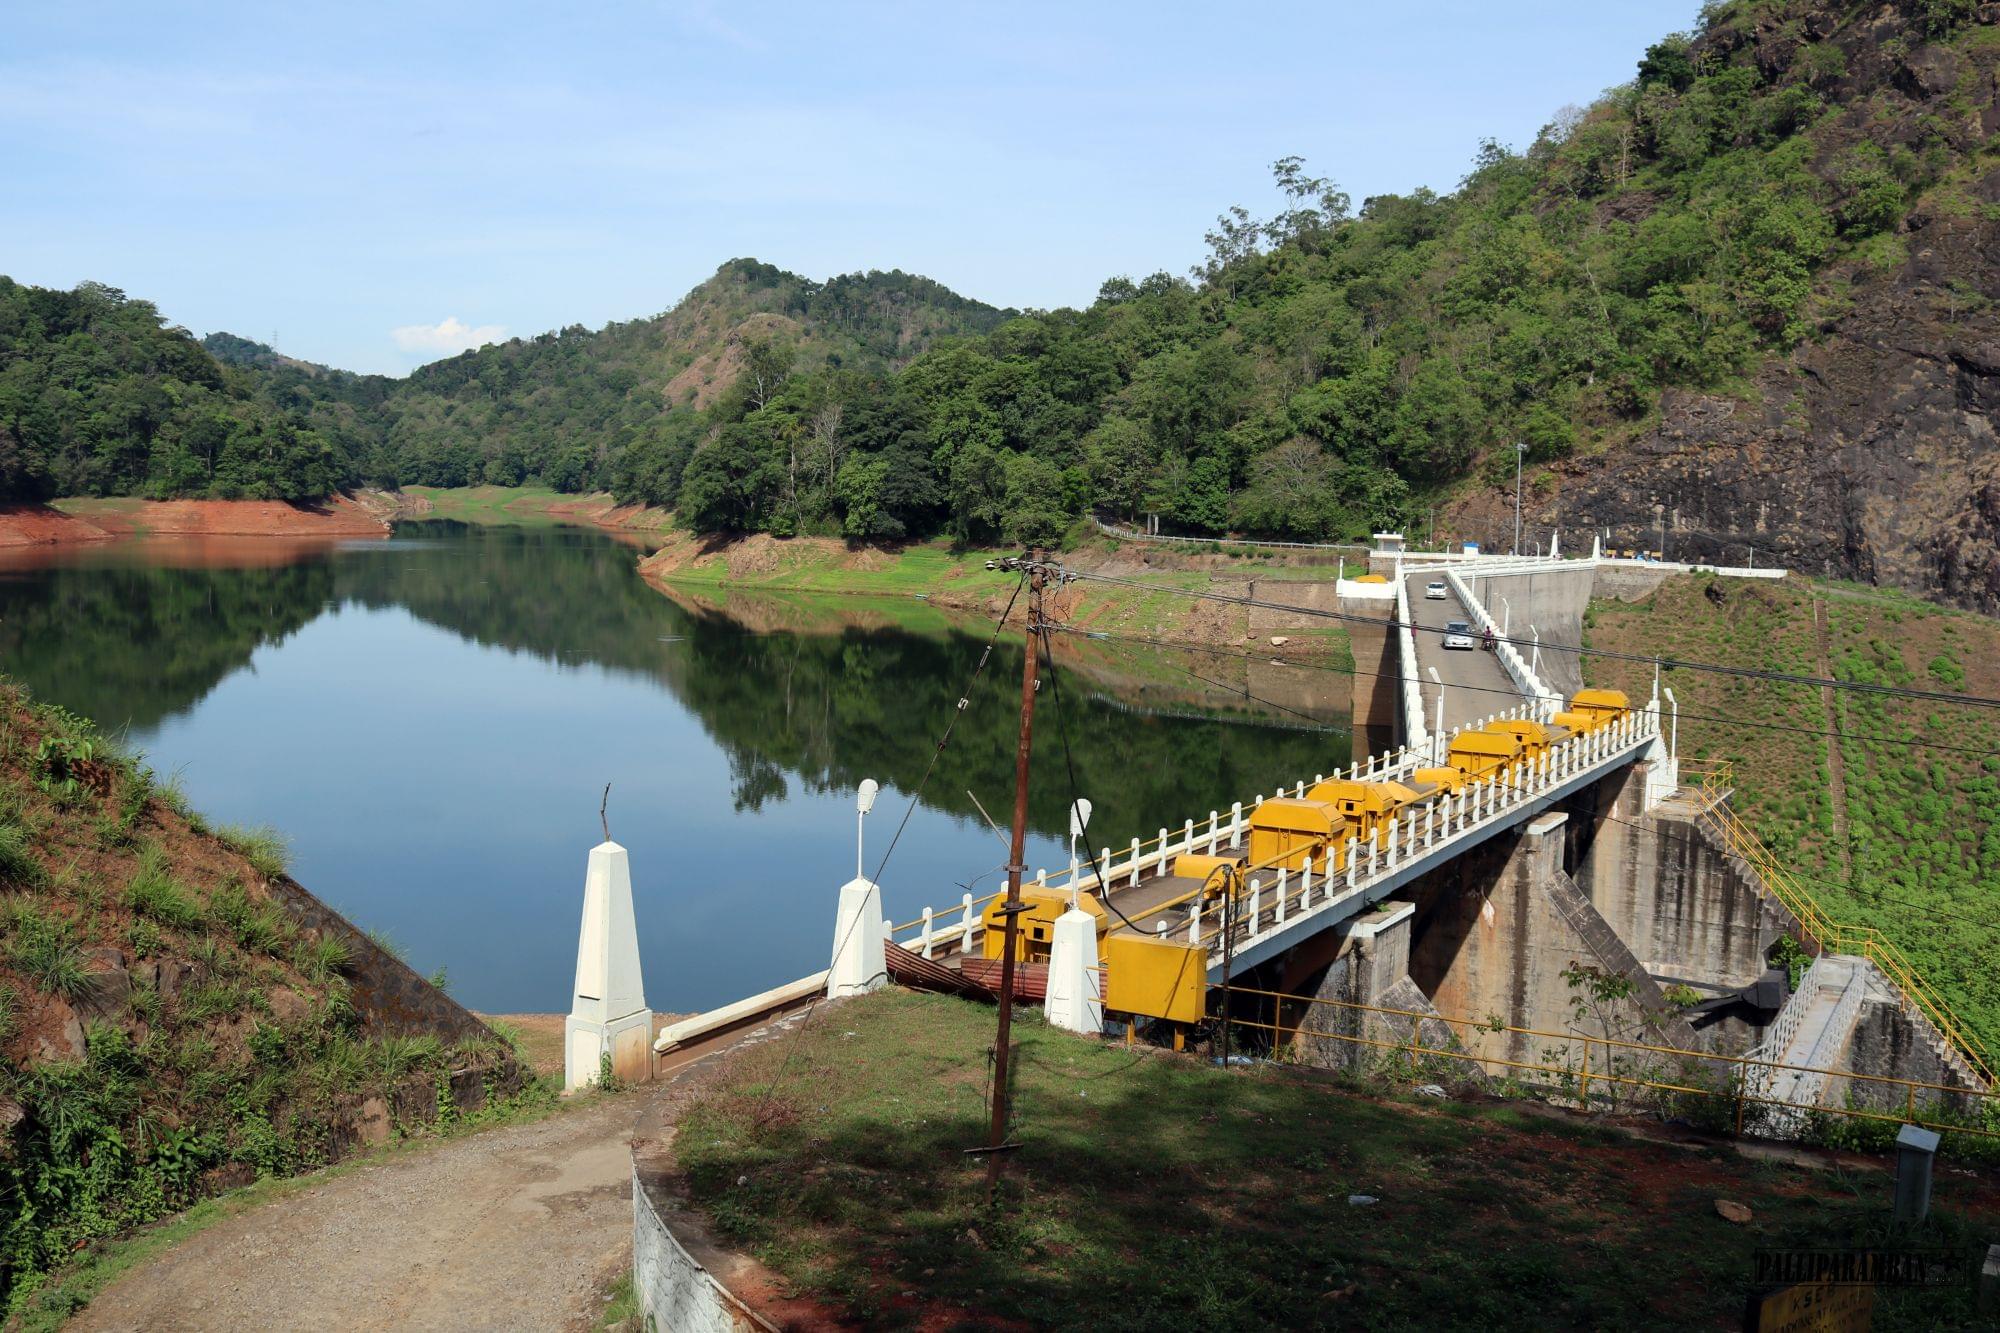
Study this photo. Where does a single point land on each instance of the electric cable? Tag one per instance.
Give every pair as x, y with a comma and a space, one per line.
964, 701
1918, 742
1858, 891
1667, 663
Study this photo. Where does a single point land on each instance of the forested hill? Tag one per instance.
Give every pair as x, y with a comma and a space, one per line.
99, 395
576, 408
1746, 298
1669, 258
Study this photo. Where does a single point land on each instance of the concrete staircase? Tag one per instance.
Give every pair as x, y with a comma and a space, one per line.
1614, 955
1812, 1030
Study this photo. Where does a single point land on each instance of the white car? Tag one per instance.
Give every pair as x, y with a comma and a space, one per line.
1457, 634
1434, 592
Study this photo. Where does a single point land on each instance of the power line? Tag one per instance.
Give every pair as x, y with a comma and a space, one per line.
1917, 742
1849, 886
964, 699
1666, 663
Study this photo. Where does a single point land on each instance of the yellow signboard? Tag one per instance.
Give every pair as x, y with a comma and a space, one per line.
1815, 1307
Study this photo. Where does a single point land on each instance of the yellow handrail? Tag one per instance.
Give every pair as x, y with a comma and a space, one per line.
1742, 1063
1715, 781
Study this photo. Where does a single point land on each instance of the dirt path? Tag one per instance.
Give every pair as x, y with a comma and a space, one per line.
514, 1228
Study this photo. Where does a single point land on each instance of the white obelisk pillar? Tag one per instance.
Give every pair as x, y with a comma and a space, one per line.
608, 1013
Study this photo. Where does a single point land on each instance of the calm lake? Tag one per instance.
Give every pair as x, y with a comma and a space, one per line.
430, 721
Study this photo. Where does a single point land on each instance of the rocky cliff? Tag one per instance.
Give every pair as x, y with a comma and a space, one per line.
1870, 451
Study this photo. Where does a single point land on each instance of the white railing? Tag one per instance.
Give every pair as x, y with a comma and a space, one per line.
1414, 731
1511, 661
1417, 832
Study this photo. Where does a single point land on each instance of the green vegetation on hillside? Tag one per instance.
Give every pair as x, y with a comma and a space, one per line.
167, 1028
1151, 1191
1326, 369
1889, 831
100, 396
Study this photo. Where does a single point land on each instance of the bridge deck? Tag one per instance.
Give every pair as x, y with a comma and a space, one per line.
1278, 912
1475, 685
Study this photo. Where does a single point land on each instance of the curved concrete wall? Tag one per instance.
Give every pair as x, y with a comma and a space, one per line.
675, 1266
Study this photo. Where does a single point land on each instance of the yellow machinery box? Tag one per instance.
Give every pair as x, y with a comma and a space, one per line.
1156, 978
1192, 865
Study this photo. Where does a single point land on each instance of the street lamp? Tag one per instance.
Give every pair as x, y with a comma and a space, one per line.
1520, 452
1079, 823
864, 801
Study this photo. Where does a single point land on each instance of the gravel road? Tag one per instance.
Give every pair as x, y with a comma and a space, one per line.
512, 1228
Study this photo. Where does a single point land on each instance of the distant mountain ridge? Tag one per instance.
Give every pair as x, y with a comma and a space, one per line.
559, 406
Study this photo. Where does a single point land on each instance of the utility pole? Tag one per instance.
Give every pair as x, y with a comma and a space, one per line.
1520, 452
1017, 851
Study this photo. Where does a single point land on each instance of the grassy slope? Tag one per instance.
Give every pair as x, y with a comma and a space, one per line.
1154, 1191
958, 578
1922, 825
250, 1063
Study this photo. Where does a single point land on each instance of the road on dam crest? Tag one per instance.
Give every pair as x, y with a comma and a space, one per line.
1475, 685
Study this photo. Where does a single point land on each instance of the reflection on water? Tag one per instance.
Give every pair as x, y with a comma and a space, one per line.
431, 720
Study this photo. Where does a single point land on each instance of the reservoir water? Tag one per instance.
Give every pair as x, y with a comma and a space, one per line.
431, 720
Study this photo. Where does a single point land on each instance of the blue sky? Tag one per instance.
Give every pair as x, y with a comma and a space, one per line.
381, 185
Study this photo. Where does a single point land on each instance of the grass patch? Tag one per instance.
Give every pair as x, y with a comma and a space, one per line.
1151, 1191
263, 847
155, 894
42, 947
17, 862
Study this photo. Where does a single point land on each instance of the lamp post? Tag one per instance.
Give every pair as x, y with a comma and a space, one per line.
1437, 728
1520, 452
864, 801
1079, 822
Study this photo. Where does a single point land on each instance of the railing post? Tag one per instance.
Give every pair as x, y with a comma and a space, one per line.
1134, 881
1101, 876
1187, 835
1235, 819
1392, 839
1300, 794
1374, 857
1213, 820
1353, 862
1256, 902
1164, 867
965, 925
927, 932
1318, 778
1041, 878
1282, 877
1194, 925
1306, 883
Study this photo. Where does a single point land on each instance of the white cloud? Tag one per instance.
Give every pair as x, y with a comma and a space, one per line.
450, 334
